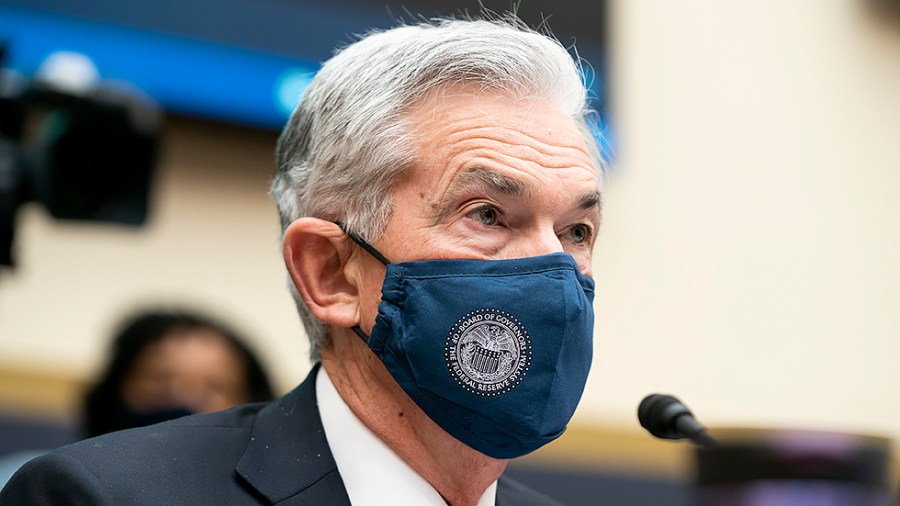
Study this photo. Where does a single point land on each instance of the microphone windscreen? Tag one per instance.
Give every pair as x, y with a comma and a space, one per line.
658, 412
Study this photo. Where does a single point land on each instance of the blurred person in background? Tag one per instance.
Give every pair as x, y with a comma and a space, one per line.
165, 364
439, 194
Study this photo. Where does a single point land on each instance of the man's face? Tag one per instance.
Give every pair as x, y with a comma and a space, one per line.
495, 179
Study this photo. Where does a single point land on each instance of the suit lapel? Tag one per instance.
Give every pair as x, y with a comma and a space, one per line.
287, 457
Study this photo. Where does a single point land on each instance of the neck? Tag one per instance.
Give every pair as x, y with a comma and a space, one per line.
458, 473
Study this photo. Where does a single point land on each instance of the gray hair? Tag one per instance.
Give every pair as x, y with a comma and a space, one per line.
348, 141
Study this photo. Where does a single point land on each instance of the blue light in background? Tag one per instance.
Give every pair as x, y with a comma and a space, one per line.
601, 129
191, 76
183, 75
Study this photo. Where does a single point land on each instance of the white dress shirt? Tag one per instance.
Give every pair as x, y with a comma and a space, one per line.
373, 474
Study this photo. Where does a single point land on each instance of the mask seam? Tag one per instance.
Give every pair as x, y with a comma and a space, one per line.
404, 274
495, 275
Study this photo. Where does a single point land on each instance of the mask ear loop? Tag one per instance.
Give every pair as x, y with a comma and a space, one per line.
362, 335
378, 256
363, 244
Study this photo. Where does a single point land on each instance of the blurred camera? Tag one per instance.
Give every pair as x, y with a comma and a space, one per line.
82, 148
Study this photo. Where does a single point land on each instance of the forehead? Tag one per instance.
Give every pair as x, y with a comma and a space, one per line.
462, 129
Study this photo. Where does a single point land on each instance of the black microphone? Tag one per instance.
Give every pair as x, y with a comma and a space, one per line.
666, 417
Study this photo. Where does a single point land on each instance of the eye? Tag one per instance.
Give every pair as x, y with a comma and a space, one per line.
488, 215
580, 234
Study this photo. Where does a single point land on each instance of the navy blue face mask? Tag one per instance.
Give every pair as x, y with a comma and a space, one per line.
496, 352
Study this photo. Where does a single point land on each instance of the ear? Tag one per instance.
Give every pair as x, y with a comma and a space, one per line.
316, 254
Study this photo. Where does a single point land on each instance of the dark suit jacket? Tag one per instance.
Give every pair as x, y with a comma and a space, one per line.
253, 454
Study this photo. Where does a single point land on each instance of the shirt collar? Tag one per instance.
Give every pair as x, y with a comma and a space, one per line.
372, 473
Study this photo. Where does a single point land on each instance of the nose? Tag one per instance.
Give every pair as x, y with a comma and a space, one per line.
536, 242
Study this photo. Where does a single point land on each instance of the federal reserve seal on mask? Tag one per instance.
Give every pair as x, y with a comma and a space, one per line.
488, 352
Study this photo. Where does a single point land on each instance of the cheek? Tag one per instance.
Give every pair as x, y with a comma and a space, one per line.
583, 259
465, 239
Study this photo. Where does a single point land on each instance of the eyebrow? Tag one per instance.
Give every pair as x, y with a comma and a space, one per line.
500, 183
480, 176
593, 199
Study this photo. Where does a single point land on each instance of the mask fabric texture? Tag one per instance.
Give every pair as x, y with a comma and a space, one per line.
496, 352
